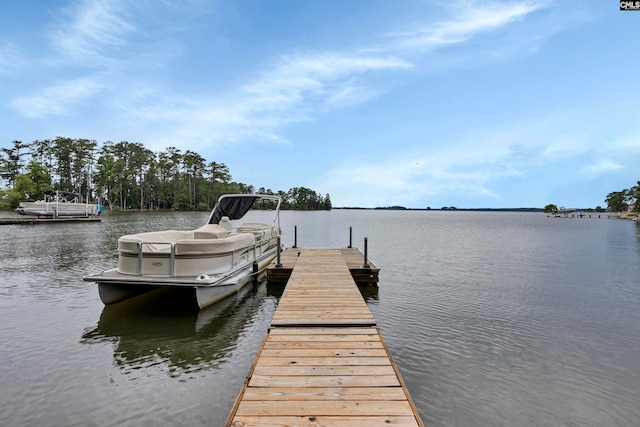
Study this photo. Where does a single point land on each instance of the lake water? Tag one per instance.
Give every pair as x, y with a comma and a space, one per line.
494, 319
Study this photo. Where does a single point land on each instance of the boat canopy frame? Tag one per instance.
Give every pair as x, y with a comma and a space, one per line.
62, 196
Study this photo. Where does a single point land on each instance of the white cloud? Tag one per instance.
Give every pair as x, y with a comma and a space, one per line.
472, 19
9, 58
601, 167
91, 29
294, 90
465, 168
57, 99
316, 79
298, 88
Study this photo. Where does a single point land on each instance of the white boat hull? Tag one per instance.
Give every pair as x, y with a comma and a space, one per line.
114, 287
111, 293
61, 210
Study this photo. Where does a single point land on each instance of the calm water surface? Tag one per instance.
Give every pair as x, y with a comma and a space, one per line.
495, 319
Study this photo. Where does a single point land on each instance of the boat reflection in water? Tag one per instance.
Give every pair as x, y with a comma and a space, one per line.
168, 331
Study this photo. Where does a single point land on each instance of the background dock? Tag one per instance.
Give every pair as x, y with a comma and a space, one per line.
35, 220
324, 361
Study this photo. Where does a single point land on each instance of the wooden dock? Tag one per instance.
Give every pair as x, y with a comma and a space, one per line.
324, 361
36, 220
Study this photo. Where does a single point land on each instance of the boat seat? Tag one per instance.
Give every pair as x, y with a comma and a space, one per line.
214, 246
158, 241
253, 227
210, 231
259, 230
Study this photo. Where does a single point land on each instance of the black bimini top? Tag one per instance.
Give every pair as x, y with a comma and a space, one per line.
234, 207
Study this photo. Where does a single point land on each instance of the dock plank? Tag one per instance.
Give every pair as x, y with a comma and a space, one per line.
333, 421
326, 393
327, 408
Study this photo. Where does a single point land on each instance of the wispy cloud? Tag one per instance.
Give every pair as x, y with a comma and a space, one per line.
474, 162
300, 87
602, 166
294, 88
56, 99
473, 18
9, 58
314, 81
89, 31
465, 168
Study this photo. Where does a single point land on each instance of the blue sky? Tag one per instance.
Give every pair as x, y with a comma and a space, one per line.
378, 103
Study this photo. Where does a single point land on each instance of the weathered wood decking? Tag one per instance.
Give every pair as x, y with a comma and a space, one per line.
323, 362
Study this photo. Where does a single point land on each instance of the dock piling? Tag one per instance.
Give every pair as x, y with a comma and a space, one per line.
278, 263
295, 236
366, 257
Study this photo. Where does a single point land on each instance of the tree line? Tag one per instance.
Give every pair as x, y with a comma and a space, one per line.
127, 175
619, 201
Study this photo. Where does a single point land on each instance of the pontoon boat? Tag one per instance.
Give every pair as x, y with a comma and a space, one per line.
215, 260
58, 203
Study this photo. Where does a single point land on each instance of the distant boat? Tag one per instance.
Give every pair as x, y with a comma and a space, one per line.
561, 211
215, 260
57, 203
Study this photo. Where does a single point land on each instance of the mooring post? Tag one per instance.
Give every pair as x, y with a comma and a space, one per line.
278, 263
295, 236
350, 237
366, 249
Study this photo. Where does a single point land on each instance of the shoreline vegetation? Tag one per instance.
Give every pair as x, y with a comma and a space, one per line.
128, 176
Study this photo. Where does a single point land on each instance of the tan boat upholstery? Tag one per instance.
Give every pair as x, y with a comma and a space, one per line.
154, 241
214, 246
206, 240
210, 231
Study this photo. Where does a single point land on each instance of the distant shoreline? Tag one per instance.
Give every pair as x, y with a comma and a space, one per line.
401, 208
577, 212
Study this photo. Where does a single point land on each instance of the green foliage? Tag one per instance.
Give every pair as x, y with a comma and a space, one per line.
127, 175
11, 162
633, 197
620, 201
617, 201
302, 198
40, 178
22, 190
4, 200
550, 208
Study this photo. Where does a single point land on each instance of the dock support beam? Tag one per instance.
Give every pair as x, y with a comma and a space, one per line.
366, 250
278, 263
295, 236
